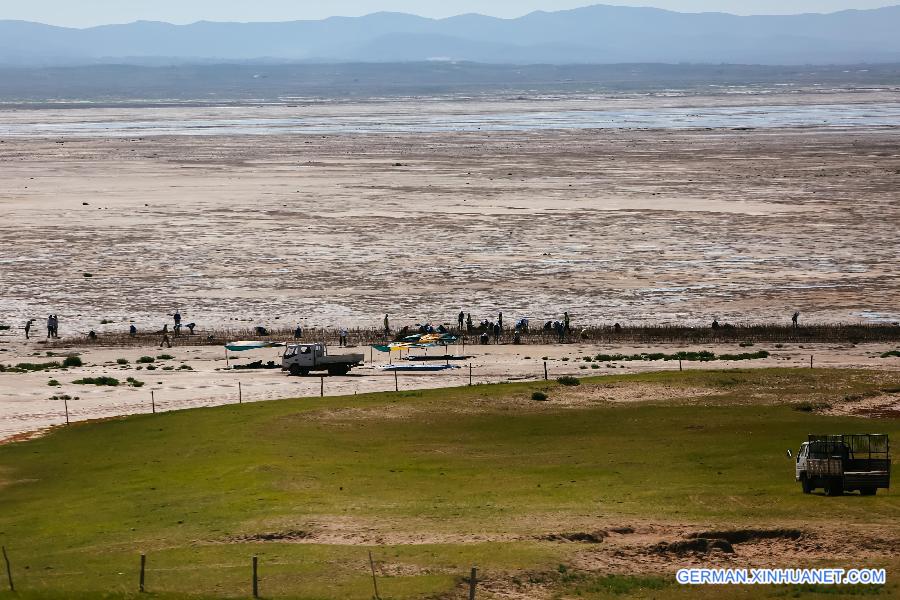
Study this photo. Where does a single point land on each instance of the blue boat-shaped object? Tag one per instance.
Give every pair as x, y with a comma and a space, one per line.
418, 368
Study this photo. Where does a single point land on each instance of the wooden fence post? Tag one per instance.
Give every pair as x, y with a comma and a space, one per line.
396, 382
473, 581
12, 587
255, 578
226, 358
322, 386
470, 373
679, 364
374, 581
152, 402
143, 565
545, 370
66, 405
240, 393
810, 361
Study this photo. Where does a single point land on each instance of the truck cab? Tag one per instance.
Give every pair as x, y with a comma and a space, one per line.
844, 463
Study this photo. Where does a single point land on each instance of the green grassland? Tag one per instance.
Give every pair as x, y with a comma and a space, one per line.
191, 489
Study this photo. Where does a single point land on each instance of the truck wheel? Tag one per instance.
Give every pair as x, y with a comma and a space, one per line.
869, 491
806, 484
834, 488
304, 372
338, 371
294, 370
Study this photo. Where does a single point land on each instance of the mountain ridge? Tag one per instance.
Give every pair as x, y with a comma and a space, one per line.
599, 34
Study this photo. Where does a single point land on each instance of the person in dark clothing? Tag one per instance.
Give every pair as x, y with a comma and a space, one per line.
500, 320
92, 335
132, 330
795, 318
469, 323
497, 331
177, 318
715, 324
387, 326
459, 319
190, 327
484, 338
261, 331
28, 327
566, 322
49, 326
617, 327
298, 332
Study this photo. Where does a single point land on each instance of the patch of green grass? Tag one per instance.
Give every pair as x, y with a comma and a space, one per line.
78, 505
32, 367
110, 381
568, 380
134, 382
122, 361
891, 353
53, 383
538, 395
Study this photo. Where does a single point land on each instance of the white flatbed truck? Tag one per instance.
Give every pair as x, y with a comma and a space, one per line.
303, 359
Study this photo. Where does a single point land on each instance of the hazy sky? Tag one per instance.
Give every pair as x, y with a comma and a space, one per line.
81, 13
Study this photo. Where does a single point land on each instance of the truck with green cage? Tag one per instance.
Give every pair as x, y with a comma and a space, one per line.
841, 463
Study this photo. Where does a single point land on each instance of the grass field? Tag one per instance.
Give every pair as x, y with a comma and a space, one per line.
434, 482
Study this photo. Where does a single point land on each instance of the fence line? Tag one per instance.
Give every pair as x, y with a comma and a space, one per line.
606, 334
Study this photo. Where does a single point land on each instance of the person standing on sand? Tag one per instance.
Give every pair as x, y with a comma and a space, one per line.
500, 320
132, 330
28, 327
298, 332
342, 337
387, 326
795, 318
566, 322
468, 322
49, 326
177, 317
459, 319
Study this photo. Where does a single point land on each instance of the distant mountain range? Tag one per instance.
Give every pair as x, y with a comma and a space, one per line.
597, 34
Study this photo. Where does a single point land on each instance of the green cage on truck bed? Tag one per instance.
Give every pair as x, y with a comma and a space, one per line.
845, 463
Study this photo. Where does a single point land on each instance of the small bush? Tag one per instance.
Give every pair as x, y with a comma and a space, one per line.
146, 359
110, 381
138, 368
151, 367
565, 359
134, 382
595, 366
53, 383
185, 368
746, 344
891, 353
72, 361
169, 368
122, 361
539, 396
568, 380
88, 274
164, 357
33, 367
105, 321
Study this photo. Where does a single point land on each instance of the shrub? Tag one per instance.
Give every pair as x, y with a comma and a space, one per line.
134, 382
146, 359
110, 381
891, 353
595, 366
185, 368
151, 367
568, 380
810, 406
122, 361
746, 344
169, 368
53, 383
105, 321
88, 274
564, 359
72, 361
26, 367
164, 357
539, 396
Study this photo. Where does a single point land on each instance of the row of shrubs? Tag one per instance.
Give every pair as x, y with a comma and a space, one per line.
702, 356
70, 361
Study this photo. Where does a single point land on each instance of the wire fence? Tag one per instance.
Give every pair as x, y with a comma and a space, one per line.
607, 334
